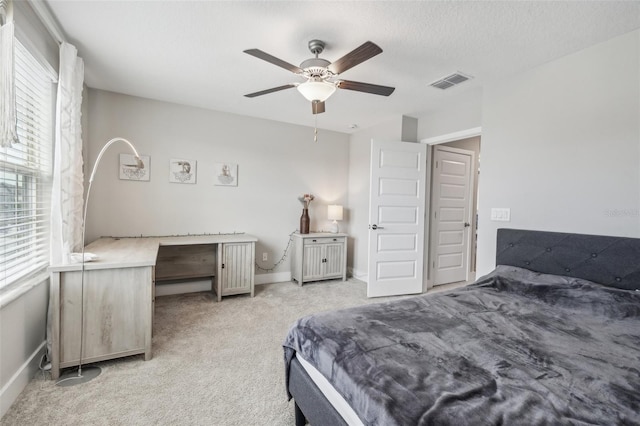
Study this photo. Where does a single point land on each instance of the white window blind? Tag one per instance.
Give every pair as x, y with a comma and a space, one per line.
26, 169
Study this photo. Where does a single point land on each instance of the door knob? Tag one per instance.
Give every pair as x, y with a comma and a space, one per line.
374, 227
467, 224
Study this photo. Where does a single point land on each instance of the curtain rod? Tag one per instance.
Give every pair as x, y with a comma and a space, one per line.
50, 23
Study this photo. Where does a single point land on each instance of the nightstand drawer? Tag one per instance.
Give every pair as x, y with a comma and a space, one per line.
323, 240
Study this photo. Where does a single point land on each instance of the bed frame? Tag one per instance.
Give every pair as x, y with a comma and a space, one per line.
612, 261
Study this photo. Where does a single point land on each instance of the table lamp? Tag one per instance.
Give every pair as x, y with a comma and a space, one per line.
334, 213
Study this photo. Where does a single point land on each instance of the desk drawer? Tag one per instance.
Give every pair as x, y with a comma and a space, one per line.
323, 240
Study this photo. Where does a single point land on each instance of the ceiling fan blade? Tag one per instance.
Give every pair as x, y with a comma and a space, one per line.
317, 107
275, 61
360, 54
366, 87
274, 89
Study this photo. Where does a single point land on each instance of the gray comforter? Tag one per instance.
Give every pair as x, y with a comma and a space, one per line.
516, 347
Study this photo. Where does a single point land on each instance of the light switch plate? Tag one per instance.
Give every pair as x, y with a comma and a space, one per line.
501, 214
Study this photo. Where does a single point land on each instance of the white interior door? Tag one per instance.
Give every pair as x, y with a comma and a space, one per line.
396, 218
451, 200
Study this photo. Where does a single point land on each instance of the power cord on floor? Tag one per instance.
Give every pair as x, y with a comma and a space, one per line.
282, 259
45, 368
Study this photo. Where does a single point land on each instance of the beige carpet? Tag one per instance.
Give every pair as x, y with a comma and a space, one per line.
213, 364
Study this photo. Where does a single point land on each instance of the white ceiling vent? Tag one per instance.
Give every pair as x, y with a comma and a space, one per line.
450, 80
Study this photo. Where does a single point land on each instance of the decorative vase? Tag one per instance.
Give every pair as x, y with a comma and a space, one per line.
304, 221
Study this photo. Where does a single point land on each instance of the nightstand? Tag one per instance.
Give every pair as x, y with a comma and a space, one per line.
319, 256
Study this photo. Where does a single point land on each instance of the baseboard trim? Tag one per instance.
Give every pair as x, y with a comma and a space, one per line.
169, 288
362, 276
12, 389
275, 277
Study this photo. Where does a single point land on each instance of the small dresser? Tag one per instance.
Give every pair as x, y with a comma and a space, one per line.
319, 256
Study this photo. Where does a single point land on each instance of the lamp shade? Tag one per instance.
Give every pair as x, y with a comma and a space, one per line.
316, 90
334, 212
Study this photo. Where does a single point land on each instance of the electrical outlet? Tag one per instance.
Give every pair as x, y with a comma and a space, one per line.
264, 256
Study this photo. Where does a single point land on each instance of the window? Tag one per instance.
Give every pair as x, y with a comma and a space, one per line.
25, 174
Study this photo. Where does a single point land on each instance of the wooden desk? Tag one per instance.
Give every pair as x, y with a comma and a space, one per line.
119, 291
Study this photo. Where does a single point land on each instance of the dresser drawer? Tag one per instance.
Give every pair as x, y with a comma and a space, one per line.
323, 240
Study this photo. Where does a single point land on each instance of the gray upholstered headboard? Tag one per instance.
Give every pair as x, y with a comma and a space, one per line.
612, 261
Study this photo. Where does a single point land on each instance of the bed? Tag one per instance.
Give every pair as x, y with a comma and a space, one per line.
551, 336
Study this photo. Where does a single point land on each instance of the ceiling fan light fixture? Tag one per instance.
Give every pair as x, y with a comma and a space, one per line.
316, 90
320, 75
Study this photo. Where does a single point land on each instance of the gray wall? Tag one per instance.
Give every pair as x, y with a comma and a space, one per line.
22, 340
561, 146
463, 111
277, 162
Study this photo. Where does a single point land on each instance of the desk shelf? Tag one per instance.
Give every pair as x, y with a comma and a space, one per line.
185, 262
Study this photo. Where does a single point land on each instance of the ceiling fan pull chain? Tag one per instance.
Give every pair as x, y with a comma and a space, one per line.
315, 125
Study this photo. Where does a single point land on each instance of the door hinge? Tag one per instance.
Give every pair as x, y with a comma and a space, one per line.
433, 265
223, 266
436, 164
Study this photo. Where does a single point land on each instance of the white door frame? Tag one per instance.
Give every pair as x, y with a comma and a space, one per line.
455, 136
447, 137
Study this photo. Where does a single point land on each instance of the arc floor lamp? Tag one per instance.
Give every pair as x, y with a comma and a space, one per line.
91, 372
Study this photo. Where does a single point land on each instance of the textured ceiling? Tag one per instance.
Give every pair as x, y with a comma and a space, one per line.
191, 52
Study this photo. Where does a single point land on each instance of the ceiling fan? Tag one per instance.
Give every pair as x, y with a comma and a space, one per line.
321, 75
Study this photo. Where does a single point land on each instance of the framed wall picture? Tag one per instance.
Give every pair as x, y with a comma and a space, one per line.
129, 169
226, 174
182, 171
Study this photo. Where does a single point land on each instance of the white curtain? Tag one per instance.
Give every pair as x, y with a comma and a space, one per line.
68, 179
8, 132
